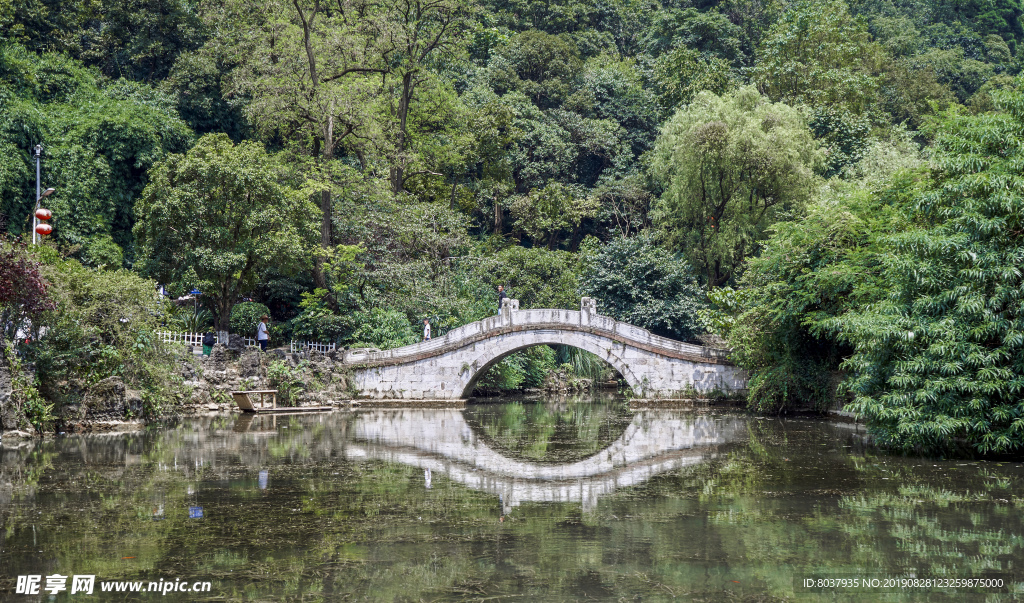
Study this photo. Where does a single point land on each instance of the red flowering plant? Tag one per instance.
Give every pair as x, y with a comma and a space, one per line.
23, 290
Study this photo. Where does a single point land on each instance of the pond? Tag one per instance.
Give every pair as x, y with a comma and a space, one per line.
554, 500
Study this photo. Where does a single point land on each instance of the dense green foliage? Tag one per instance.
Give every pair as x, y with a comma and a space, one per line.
643, 284
939, 357
215, 217
913, 289
525, 369
731, 166
103, 324
358, 167
100, 138
245, 317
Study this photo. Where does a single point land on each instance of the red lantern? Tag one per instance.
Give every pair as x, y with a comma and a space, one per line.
43, 214
44, 229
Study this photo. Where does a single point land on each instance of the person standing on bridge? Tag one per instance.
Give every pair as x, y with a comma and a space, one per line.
501, 297
426, 329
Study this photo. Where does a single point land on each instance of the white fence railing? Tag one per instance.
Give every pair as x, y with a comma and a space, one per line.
196, 339
186, 338
312, 346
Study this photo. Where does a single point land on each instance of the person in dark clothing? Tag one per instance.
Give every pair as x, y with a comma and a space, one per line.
501, 296
208, 340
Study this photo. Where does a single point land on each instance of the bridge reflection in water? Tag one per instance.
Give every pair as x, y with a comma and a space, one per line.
440, 441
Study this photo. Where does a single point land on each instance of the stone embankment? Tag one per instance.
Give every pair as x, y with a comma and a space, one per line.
302, 379
207, 382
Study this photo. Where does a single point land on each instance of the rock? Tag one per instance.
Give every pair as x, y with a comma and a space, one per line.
133, 402
236, 343
218, 359
10, 417
105, 400
16, 434
249, 363
213, 406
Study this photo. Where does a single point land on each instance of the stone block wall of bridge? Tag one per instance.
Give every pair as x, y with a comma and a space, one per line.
448, 367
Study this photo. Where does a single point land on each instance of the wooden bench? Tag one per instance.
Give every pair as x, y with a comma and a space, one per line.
246, 403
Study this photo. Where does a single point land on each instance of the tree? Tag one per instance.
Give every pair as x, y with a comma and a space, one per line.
683, 72
819, 55
541, 66
546, 212
303, 73
103, 325
638, 282
217, 217
331, 74
537, 277
99, 140
811, 270
938, 354
415, 41
134, 39
730, 166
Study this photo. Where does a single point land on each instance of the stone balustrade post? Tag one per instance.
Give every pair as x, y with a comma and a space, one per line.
509, 305
588, 309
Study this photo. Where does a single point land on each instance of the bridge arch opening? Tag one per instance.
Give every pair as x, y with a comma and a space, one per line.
519, 342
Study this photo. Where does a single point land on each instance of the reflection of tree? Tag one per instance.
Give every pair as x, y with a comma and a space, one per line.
560, 430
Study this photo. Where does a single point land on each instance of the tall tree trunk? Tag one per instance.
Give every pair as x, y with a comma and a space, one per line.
223, 308
326, 207
324, 150
398, 170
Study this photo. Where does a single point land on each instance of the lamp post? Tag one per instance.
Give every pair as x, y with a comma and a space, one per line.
39, 195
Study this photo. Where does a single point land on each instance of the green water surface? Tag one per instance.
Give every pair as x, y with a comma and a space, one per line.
559, 500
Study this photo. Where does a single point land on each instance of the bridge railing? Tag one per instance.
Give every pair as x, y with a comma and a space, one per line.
589, 320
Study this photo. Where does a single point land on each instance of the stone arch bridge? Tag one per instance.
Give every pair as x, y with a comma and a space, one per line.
448, 367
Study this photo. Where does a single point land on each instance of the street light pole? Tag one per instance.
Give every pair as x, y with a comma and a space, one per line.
35, 220
39, 197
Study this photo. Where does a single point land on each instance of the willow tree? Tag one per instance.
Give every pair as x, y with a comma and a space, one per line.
731, 166
217, 217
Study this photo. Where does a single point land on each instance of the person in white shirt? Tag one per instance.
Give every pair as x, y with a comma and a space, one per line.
426, 329
262, 334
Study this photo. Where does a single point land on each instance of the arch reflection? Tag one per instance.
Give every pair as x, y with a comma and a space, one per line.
442, 442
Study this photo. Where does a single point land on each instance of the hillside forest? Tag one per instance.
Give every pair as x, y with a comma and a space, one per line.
832, 190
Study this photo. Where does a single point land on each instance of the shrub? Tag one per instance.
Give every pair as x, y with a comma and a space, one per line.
103, 326
384, 329
287, 380
317, 322
520, 370
246, 316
